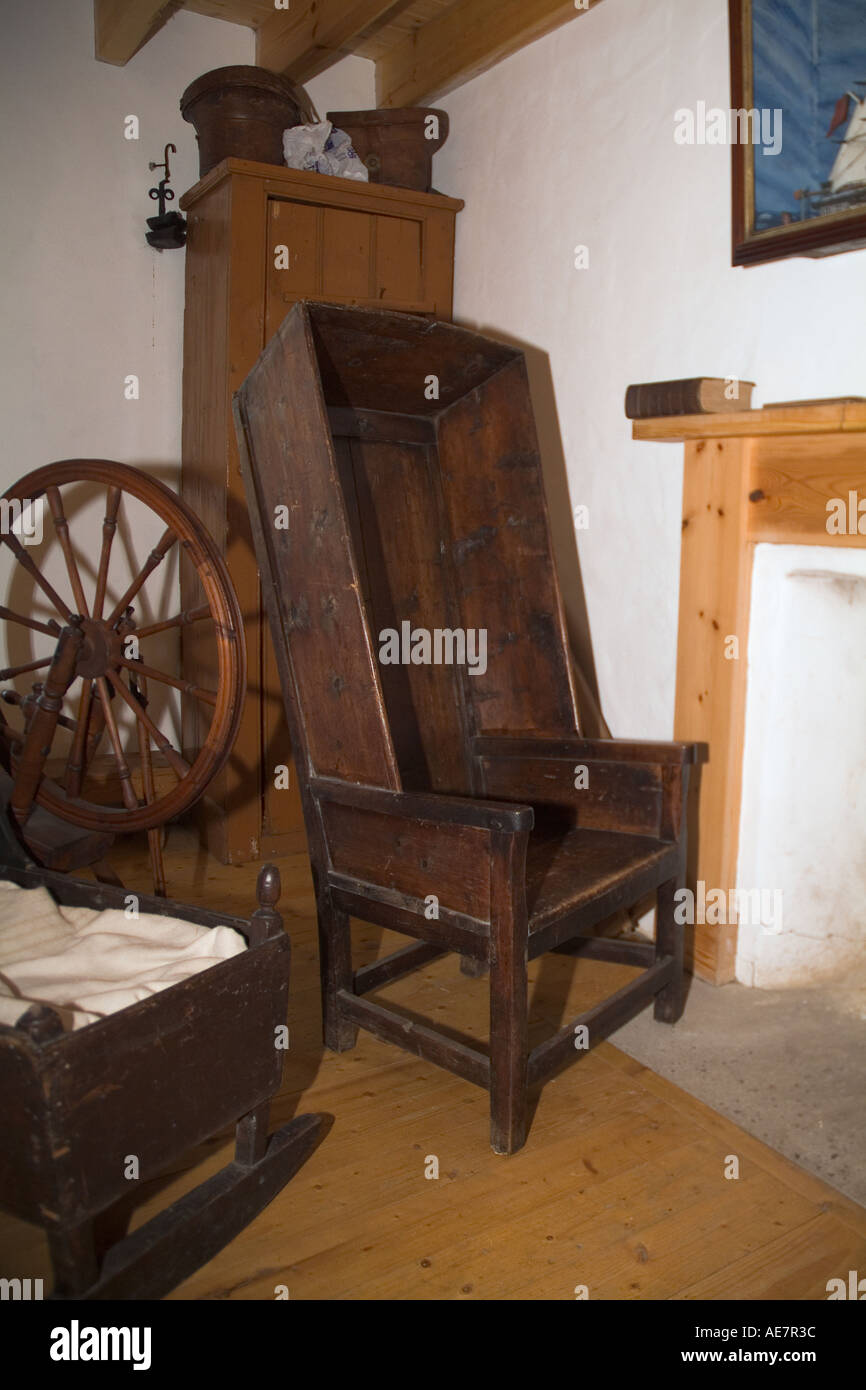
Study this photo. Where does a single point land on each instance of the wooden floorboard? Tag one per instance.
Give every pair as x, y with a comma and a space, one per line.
621, 1186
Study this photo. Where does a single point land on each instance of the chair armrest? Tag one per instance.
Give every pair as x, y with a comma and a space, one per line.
413, 844
604, 784
602, 749
427, 806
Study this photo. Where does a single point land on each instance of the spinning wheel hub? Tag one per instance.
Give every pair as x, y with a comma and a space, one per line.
100, 649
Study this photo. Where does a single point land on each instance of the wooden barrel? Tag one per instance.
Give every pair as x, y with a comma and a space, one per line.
241, 112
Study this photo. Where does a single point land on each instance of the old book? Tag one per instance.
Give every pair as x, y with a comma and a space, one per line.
699, 395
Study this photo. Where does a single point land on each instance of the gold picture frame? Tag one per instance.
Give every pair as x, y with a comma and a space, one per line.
826, 219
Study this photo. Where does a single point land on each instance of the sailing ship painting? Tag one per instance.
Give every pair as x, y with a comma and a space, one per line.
846, 186
806, 58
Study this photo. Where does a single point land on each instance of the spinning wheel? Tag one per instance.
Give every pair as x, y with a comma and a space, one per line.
88, 743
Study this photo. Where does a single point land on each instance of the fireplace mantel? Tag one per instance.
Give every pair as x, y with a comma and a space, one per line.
749, 476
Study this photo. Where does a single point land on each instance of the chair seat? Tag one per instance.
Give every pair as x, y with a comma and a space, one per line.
568, 868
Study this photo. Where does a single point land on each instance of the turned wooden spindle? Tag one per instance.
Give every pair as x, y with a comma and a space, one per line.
266, 922
37, 743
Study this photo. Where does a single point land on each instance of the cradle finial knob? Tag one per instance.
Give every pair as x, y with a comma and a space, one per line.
268, 886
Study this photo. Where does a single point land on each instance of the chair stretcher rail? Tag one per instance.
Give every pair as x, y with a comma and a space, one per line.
599, 1021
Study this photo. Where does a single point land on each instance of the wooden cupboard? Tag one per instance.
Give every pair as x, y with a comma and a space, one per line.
260, 238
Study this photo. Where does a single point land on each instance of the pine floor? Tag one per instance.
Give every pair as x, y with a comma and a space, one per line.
621, 1187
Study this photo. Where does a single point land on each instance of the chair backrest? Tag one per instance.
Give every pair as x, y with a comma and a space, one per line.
401, 529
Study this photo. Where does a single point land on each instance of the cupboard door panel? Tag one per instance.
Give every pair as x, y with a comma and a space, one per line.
399, 268
339, 255
294, 250
347, 247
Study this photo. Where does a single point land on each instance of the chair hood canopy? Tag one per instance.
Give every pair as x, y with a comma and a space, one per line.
404, 455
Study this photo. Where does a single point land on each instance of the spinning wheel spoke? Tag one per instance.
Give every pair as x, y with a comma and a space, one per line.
208, 696
61, 526
175, 760
156, 557
27, 562
10, 672
127, 790
76, 760
109, 526
191, 615
94, 734
51, 628
154, 837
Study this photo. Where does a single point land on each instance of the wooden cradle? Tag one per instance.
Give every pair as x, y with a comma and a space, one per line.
152, 1080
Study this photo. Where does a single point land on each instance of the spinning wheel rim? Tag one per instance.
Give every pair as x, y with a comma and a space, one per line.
198, 546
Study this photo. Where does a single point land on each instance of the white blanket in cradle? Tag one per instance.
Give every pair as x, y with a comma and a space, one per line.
87, 964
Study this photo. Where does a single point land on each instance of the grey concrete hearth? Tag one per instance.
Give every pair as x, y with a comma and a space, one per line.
788, 1065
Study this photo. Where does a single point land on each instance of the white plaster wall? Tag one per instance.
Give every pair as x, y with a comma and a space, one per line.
570, 142
349, 85
803, 824
85, 301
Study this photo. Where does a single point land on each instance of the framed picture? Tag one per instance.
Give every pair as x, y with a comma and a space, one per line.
798, 127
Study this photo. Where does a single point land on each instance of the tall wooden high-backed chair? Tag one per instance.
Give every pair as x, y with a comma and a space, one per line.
398, 512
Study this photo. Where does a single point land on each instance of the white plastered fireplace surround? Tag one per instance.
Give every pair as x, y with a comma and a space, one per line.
803, 811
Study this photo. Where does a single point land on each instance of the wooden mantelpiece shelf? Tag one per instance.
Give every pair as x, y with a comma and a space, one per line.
756, 424
749, 476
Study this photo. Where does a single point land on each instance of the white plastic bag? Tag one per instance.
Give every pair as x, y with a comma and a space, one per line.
323, 150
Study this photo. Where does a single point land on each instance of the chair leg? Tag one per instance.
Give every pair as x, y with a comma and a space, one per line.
670, 938
508, 1057
335, 965
508, 1006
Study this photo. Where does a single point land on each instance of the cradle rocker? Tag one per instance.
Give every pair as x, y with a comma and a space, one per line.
151, 1080
398, 512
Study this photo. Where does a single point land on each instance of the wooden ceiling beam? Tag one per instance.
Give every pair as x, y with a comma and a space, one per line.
463, 42
122, 27
312, 34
